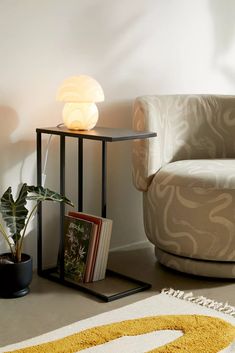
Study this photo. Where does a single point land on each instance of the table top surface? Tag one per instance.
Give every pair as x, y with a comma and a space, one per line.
99, 133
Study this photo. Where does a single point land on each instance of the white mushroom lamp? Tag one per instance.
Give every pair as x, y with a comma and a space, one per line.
80, 93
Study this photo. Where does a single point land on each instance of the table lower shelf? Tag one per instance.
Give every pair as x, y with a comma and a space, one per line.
114, 286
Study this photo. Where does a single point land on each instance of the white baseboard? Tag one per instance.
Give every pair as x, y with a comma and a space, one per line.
133, 246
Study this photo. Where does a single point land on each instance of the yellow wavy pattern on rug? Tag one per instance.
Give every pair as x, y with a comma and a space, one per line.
201, 334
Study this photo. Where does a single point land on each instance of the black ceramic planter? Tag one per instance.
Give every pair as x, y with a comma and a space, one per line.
16, 277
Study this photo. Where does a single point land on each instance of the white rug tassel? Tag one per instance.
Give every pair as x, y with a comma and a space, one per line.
209, 303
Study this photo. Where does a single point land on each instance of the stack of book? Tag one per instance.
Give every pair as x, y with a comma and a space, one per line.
86, 246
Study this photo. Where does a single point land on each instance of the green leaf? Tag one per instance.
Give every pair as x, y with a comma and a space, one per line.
44, 194
13, 212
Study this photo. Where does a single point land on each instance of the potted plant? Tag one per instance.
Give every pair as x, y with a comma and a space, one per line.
15, 266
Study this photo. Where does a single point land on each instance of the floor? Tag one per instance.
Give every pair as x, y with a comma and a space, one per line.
49, 305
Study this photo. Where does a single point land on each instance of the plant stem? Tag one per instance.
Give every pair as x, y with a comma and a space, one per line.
2, 230
18, 252
26, 225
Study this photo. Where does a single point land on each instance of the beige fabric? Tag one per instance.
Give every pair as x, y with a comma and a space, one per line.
210, 174
187, 174
188, 127
189, 211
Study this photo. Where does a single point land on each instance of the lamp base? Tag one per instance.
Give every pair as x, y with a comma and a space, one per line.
80, 116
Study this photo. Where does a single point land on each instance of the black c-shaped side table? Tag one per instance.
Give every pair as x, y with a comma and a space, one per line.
104, 135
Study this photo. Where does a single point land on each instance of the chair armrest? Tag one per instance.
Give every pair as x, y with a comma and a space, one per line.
187, 127
146, 154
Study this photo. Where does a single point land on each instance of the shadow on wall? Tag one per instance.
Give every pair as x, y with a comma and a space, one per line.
122, 198
112, 115
116, 114
50, 235
12, 154
222, 13
111, 55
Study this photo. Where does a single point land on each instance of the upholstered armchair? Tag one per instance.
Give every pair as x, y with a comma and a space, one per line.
187, 177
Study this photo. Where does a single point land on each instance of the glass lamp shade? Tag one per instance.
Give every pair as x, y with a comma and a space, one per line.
80, 116
80, 89
80, 94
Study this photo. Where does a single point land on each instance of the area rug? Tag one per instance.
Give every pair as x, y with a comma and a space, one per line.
170, 322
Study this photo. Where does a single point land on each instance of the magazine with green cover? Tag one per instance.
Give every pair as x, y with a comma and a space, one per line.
78, 233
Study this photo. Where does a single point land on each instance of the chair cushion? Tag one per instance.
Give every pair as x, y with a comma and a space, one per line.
189, 209
202, 173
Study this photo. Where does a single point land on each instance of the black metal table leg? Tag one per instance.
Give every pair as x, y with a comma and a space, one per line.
62, 206
104, 180
80, 174
39, 209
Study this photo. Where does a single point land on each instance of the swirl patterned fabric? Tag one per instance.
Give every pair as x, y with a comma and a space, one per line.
187, 175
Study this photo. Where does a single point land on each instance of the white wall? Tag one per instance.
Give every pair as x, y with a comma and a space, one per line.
132, 48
